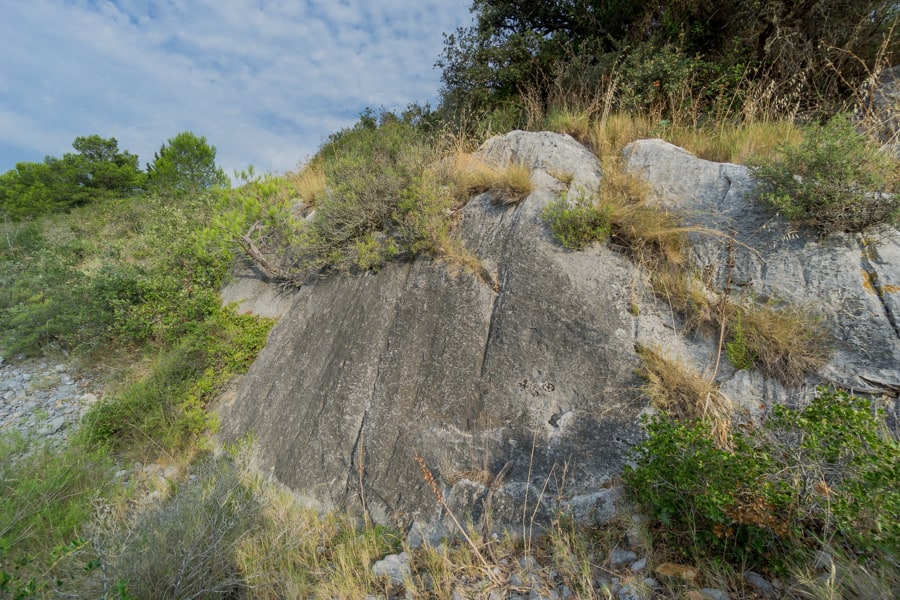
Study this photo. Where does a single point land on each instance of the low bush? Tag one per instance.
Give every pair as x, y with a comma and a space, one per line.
378, 193
835, 180
824, 472
227, 533
576, 224
167, 410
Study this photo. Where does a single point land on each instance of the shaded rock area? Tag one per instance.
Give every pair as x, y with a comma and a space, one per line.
525, 393
248, 288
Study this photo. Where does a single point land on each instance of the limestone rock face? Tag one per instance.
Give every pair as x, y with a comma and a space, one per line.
523, 390
850, 280
363, 371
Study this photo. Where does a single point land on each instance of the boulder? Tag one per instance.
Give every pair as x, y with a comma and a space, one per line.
365, 371
518, 392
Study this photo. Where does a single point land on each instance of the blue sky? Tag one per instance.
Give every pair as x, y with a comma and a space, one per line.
264, 81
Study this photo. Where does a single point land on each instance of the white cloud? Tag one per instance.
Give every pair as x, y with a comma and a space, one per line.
265, 81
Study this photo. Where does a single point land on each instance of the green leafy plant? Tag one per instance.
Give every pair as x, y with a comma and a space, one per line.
736, 348
824, 472
835, 180
576, 224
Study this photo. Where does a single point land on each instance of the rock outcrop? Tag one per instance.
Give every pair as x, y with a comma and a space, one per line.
363, 371
850, 280
526, 393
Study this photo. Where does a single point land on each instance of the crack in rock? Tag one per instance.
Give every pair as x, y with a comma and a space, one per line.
871, 274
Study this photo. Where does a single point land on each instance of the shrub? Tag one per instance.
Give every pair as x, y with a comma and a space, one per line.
835, 180
185, 548
846, 465
693, 487
575, 225
824, 472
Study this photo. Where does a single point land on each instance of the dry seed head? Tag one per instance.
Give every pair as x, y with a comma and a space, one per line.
428, 477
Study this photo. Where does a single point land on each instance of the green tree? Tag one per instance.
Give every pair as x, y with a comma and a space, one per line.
98, 170
824, 47
99, 165
185, 164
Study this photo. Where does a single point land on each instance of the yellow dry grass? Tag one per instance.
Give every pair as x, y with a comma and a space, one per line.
310, 183
788, 341
508, 184
683, 393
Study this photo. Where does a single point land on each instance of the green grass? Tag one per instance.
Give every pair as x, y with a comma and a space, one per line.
47, 495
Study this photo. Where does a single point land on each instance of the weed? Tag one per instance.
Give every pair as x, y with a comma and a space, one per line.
736, 349
310, 183
575, 124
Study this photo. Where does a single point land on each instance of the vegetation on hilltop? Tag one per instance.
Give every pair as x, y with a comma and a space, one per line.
100, 171
668, 57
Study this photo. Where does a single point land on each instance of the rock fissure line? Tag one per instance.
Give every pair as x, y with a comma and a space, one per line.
872, 273
355, 451
495, 309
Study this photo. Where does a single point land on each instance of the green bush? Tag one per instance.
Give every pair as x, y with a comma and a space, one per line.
848, 465
383, 198
835, 180
576, 225
167, 409
827, 472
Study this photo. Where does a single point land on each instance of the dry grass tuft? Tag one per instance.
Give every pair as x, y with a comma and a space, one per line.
685, 394
687, 296
735, 142
508, 184
787, 341
310, 183
653, 235
608, 136
574, 123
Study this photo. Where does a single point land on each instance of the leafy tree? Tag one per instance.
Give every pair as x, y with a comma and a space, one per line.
822, 47
186, 164
96, 171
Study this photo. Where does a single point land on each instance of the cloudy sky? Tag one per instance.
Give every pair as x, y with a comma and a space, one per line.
264, 80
